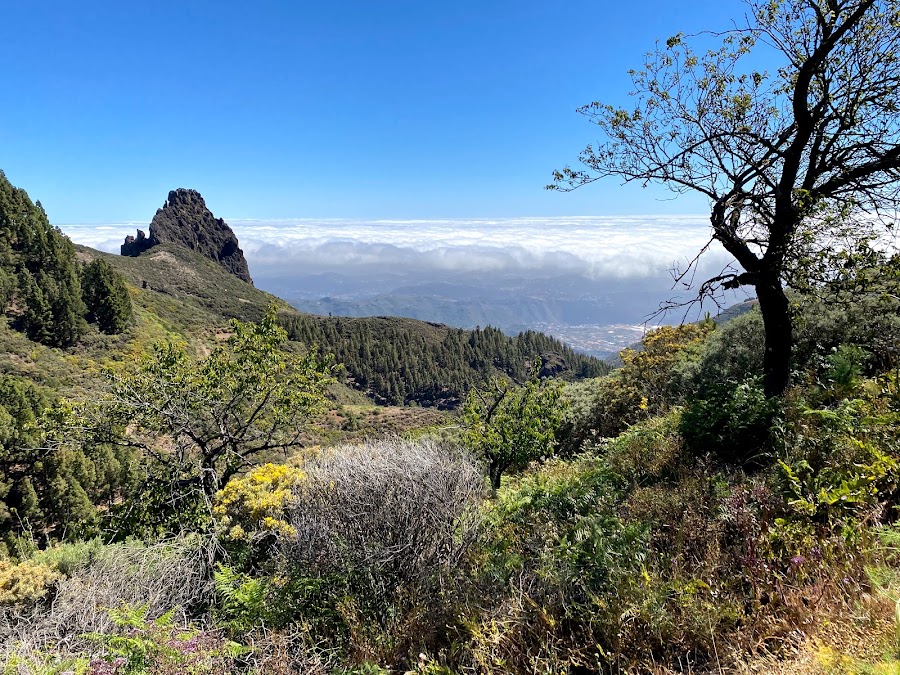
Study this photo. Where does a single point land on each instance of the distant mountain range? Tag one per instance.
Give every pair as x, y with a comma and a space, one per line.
594, 317
188, 279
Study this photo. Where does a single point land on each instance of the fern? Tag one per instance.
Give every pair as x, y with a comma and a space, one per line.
243, 598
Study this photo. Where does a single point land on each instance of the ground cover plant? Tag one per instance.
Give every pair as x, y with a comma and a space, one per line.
710, 523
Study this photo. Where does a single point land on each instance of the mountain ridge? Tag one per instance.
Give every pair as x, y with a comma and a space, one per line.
393, 360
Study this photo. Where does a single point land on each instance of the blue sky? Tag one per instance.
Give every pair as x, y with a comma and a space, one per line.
396, 109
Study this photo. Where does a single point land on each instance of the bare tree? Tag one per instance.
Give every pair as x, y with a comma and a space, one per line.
784, 158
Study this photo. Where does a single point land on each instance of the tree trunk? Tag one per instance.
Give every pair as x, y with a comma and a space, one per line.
775, 309
495, 472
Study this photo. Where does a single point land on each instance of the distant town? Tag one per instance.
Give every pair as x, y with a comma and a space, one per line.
596, 340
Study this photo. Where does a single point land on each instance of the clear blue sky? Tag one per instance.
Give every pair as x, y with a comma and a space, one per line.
393, 109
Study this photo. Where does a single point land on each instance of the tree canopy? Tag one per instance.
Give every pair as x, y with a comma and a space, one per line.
106, 296
39, 280
789, 160
199, 422
511, 426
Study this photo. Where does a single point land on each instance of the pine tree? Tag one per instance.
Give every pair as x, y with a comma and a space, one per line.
38, 270
106, 296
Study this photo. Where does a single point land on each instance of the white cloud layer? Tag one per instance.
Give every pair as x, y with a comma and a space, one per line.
631, 247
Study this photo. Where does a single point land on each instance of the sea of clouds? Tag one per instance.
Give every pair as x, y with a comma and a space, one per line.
616, 248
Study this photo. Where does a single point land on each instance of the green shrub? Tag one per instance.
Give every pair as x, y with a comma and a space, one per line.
70, 557
158, 646
639, 390
557, 571
842, 462
52, 476
732, 423
649, 452
823, 328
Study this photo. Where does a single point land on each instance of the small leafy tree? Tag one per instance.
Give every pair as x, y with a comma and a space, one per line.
511, 426
199, 422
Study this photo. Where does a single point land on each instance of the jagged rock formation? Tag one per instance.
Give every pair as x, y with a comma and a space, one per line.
184, 219
134, 246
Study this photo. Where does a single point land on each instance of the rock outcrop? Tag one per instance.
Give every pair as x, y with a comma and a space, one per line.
134, 246
552, 365
184, 219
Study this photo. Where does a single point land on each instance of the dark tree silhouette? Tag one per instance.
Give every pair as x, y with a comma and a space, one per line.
789, 160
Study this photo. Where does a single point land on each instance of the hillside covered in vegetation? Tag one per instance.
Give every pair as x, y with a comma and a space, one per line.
665, 514
52, 289
162, 507
175, 496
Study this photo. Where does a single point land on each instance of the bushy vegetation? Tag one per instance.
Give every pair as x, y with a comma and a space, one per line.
675, 517
667, 515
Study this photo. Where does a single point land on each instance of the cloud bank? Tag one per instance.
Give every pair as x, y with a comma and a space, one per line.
614, 248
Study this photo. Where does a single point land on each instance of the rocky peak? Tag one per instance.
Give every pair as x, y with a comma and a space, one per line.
184, 219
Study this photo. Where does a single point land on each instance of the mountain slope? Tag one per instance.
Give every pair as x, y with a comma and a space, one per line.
181, 295
187, 289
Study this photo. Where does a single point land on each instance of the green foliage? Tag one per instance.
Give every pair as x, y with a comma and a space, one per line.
826, 328
199, 422
106, 296
649, 452
144, 646
649, 370
732, 423
557, 570
842, 462
50, 480
273, 601
401, 361
38, 272
641, 388
69, 558
244, 599
732, 354
39, 663
512, 426
845, 369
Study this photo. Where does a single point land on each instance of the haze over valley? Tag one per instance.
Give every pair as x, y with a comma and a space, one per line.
591, 281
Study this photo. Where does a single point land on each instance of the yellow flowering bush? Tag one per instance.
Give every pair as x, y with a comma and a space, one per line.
254, 504
25, 581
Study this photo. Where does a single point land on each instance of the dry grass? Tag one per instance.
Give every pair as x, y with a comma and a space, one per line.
842, 640
161, 577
